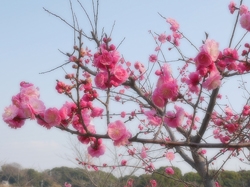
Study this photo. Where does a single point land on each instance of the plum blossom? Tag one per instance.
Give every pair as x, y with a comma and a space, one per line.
203, 60
106, 59
101, 79
153, 118
174, 25
52, 117
212, 48
173, 119
153, 183
169, 170
231, 7
123, 162
243, 9
13, 116
143, 152
193, 82
67, 184
140, 67
213, 81
245, 21
153, 58
96, 148
170, 156
120, 75
162, 38
118, 133
96, 112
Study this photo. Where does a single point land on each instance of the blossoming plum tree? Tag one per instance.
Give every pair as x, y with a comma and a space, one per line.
179, 113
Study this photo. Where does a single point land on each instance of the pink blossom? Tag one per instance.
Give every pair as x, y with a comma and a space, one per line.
203, 60
124, 162
165, 75
118, 133
85, 139
162, 38
120, 75
106, 59
123, 114
124, 140
101, 79
153, 118
67, 184
213, 81
231, 7
246, 110
96, 148
231, 127
212, 48
153, 58
173, 119
10, 112
243, 9
174, 25
193, 82
139, 66
217, 184
153, 183
245, 21
170, 156
230, 55
143, 153
168, 90
203, 151
73, 58
116, 130
52, 117
13, 117
157, 99
169, 170
96, 112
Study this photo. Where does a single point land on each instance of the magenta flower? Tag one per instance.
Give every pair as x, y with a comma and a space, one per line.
170, 156
153, 118
245, 21
231, 7
173, 119
213, 81
120, 75
153, 183
123, 162
174, 25
96, 112
118, 133
101, 79
153, 58
96, 148
243, 9
116, 130
169, 170
67, 184
162, 38
52, 117
203, 60
13, 116
193, 82
212, 48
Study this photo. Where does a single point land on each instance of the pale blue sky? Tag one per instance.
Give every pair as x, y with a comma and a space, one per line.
30, 38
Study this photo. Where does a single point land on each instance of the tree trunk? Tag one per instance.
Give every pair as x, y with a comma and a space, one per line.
201, 167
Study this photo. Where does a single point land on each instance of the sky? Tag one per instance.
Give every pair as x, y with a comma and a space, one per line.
29, 43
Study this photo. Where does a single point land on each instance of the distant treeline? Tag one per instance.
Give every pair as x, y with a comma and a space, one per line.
17, 176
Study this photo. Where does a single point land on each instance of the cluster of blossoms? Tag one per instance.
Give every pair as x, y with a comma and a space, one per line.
110, 73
